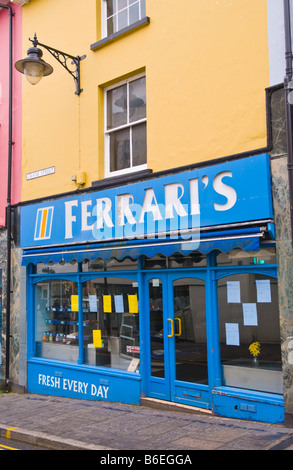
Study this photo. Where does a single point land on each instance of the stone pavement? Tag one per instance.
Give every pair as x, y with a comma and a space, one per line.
65, 424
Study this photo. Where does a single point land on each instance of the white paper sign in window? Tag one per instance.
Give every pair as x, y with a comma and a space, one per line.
263, 289
232, 334
233, 292
249, 314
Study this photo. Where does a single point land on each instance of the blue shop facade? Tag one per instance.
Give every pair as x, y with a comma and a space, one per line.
164, 288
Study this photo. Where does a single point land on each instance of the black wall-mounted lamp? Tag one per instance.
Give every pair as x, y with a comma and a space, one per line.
34, 67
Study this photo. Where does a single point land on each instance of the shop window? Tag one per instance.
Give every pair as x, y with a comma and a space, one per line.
125, 133
249, 323
119, 14
56, 320
111, 323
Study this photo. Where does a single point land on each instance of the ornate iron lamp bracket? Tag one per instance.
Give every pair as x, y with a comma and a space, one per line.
73, 68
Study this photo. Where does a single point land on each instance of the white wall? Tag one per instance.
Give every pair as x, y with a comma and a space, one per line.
276, 41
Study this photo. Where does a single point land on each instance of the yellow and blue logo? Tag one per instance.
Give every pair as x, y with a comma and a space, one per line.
43, 225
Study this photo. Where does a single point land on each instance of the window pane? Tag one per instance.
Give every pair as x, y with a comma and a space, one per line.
142, 7
111, 25
56, 320
52, 268
139, 144
111, 265
122, 19
117, 107
122, 4
247, 317
134, 13
157, 262
137, 100
115, 265
193, 260
111, 309
119, 150
156, 328
190, 331
239, 257
110, 7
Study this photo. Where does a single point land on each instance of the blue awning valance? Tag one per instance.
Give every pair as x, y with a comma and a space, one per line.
247, 240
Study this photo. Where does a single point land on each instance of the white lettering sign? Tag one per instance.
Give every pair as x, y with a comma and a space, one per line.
75, 386
124, 212
39, 173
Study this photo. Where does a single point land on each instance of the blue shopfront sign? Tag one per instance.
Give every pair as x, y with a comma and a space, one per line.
232, 192
83, 382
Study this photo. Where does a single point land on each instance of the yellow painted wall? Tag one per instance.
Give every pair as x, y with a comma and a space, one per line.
206, 65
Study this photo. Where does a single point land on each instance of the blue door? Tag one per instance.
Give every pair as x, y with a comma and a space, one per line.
176, 337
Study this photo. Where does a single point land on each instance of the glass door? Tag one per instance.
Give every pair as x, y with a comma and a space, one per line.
177, 339
159, 334
190, 384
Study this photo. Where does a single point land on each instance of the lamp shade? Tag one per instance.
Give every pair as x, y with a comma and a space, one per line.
33, 66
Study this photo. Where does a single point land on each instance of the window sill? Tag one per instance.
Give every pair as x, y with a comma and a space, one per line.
123, 32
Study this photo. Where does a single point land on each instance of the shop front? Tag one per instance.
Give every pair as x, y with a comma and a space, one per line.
166, 288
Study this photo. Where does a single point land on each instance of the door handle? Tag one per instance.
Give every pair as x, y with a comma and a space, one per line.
172, 328
179, 327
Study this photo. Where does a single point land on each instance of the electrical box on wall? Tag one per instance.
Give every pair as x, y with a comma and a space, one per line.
80, 177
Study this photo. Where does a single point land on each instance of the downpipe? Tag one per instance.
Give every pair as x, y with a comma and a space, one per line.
288, 86
8, 208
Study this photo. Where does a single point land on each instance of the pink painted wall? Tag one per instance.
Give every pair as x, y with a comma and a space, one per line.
17, 111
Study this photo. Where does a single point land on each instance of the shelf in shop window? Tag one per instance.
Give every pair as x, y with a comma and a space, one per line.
61, 336
65, 322
55, 309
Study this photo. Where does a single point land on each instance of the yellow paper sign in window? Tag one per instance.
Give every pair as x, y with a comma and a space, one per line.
107, 303
74, 303
133, 304
97, 338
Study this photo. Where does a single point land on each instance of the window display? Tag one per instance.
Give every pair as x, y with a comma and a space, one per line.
56, 330
111, 323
